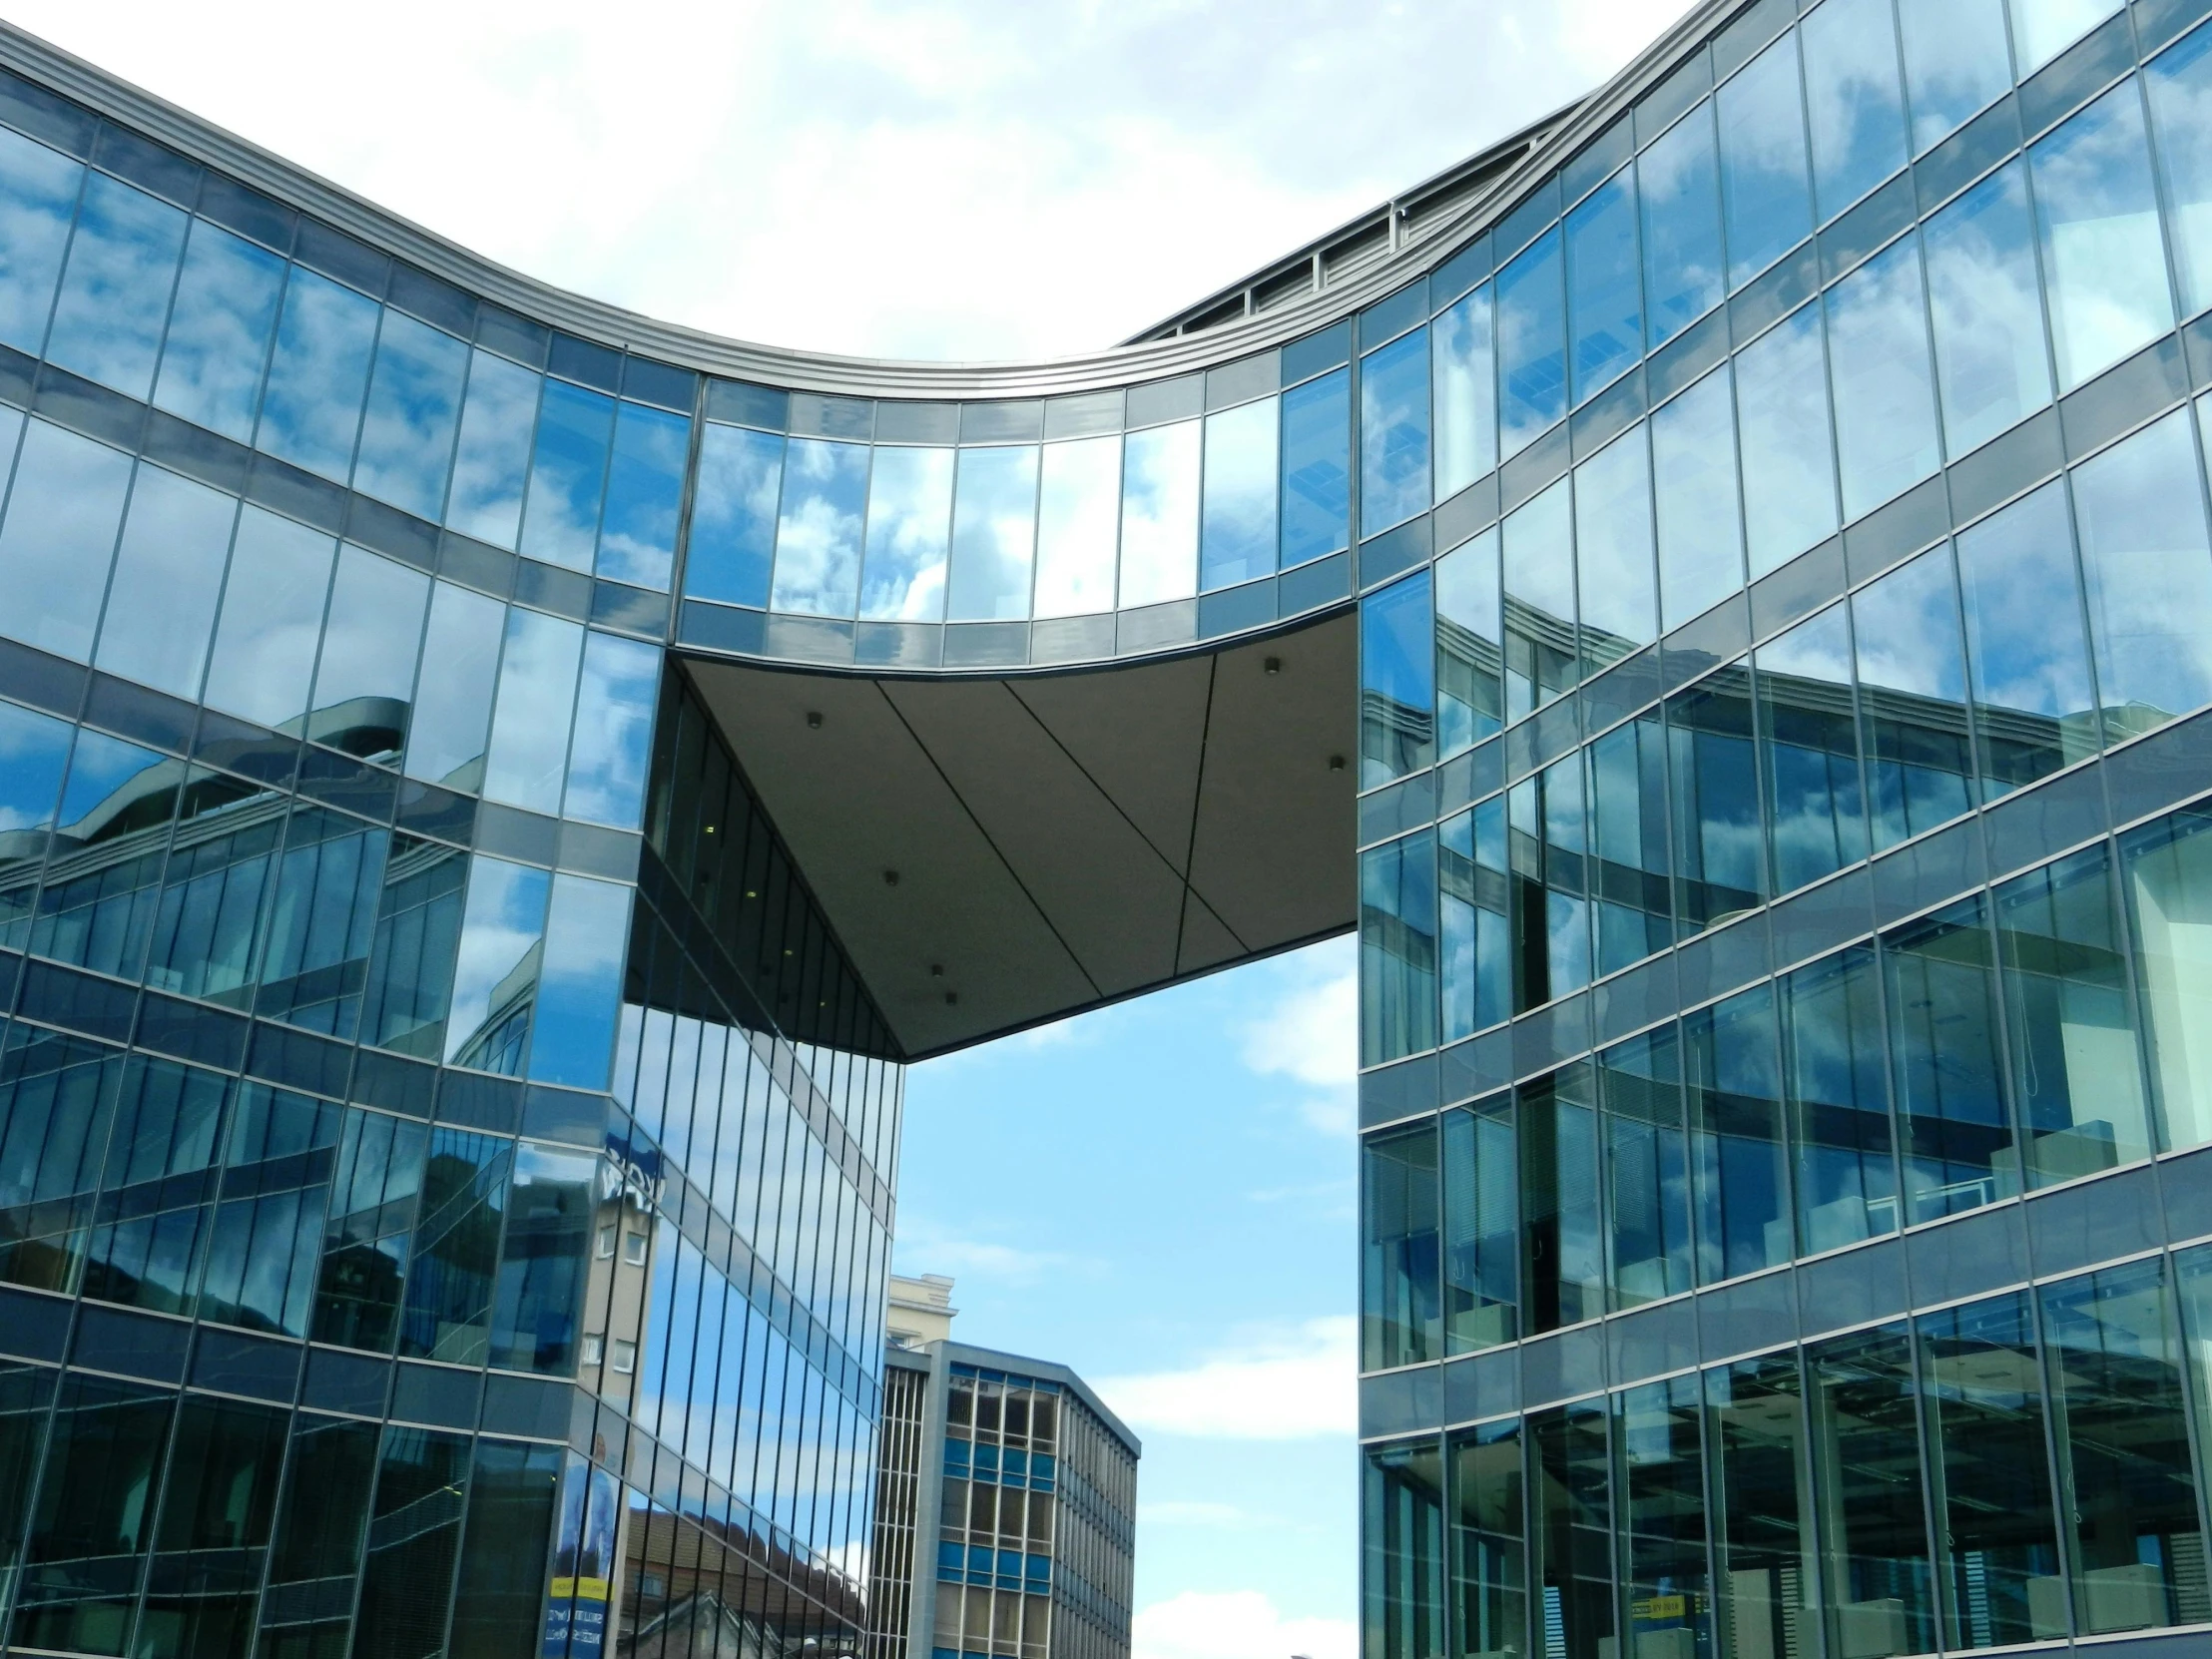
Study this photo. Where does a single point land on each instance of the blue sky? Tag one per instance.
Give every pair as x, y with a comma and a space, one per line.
1161, 1195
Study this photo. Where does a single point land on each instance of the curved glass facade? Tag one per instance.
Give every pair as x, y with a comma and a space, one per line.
1771, 505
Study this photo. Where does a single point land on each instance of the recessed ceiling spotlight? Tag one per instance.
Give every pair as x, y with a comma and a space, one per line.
891, 879
1335, 762
1273, 665
814, 720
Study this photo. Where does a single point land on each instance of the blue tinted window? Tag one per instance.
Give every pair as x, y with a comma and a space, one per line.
1789, 457
2141, 513
1956, 62
817, 532
1809, 739
493, 460
1532, 346
219, 331
370, 642
1541, 656
495, 991
645, 491
38, 196
116, 285
1469, 644
994, 534
2180, 86
909, 518
1237, 534
1913, 698
1397, 948
1713, 787
614, 731
460, 668
2029, 661
2102, 253
1393, 434
568, 475
1886, 433
1693, 469
58, 539
1617, 569
169, 573
733, 528
1767, 207
34, 747
2041, 29
1605, 308
1398, 680
530, 720
1992, 364
1851, 94
318, 375
1678, 180
1316, 467
414, 402
1628, 812
1464, 383
265, 644
580, 992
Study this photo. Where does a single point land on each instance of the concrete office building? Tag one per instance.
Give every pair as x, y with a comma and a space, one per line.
1714, 588
1005, 1501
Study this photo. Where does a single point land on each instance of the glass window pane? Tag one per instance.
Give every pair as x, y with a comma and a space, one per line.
1693, 469
1839, 1101
1604, 303
1489, 1554
1767, 205
58, 539
1531, 346
2140, 512
530, 720
645, 492
1562, 1214
2001, 1581
460, 665
1661, 1492
1615, 554
2041, 29
1393, 434
733, 525
1713, 773
2102, 253
1630, 882
34, 747
1809, 737
318, 374
2180, 88
614, 731
1401, 1310
1398, 687
103, 1460
219, 331
1402, 1526
503, 1556
38, 198
2126, 1479
1481, 1227
1469, 694
1159, 514
2074, 1067
568, 475
2034, 709
910, 517
265, 642
1316, 468
1679, 181
1874, 1529
414, 405
1885, 390
2168, 877
1542, 658
1851, 94
1571, 1528
1647, 1169
1991, 360
1397, 948
1945, 1057
414, 1534
1237, 543
370, 641
1913, 699
995, 531
418, 924
818, 529
1471, 877
116, 285
1078, 527
1789, 459
493, 460
1464, 378
1762, 1510
168, 580
587, 931
1956, 62
495, 987
322, 920
1737, 1144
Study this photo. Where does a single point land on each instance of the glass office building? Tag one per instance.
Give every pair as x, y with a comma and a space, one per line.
1716, 589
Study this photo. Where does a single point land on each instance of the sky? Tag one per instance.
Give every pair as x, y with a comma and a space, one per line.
1159, 1194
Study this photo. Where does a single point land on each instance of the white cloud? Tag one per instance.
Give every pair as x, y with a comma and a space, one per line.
1311, 1035
1235, 1624
927, 1246
1292, 1384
